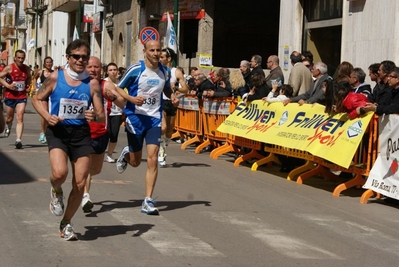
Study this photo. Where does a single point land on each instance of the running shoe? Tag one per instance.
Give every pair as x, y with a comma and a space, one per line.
56, 203
109, 159
42, 138
162, 156
148, 207
67, 232
18, 144
87, 204
121, 163
6, 132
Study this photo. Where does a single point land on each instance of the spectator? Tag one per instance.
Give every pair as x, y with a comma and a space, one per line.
284, 93
328, 88
259, 88
238, 85
245, 68
381, 93
300, 77
273, 64
222, 85
348, 101
391, 106
256, 62
357, 78
343, 72
308, 63
202, 85
314, 94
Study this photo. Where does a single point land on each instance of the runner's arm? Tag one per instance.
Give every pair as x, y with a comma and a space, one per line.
3, 74
111, 94
41, 96
182, 82
137, 100
99, 115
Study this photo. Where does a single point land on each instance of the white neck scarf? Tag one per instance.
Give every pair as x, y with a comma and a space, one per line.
76, 76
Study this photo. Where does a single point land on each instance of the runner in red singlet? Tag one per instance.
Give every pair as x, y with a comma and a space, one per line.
16, 79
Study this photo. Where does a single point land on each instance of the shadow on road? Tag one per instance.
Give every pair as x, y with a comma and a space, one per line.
12, 173
181, 164
95, 232
109, 205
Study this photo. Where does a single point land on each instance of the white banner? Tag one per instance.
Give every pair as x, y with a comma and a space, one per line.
171, 36
384, 176
189, 103
219, 107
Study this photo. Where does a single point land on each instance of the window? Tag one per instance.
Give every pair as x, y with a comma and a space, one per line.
316, 10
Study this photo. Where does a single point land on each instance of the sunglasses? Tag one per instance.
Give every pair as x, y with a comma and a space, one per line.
77, 57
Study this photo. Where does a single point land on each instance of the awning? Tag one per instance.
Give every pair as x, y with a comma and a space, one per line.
186, 15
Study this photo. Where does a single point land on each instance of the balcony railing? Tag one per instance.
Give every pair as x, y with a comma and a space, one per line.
68, 5
33, 6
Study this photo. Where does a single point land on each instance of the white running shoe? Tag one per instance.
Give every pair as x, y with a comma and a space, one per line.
56, 203
6, 132
87, 204
109, 159
42, 138
18, 144
161, 156
121, 163
148, 207
67, 232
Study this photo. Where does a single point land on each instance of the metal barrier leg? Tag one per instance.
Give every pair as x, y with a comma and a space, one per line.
202, 146
329, 175
176, 134
270, 158
191, 141
357, 181
366, 195
227, 147
250, 155
308, 170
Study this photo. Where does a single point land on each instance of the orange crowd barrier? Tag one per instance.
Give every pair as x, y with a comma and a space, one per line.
280, 150
362, 163
374, 154
188, 123
214, 112
197, 121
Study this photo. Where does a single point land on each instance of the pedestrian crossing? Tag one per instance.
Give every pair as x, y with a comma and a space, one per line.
273, 237
166, 237
361, 233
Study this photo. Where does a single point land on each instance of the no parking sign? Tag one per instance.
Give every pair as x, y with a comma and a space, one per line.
148, 34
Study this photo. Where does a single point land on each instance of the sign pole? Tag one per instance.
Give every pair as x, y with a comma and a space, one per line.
176, 25
80, 18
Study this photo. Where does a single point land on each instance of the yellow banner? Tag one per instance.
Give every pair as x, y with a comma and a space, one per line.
305, 127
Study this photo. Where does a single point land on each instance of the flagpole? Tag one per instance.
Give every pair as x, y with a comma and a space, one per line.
36, 30
175, 26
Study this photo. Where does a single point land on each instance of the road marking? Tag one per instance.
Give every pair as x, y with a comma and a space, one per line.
361, 233
93, 181
37, 230
277, 239
165, 236
25, 150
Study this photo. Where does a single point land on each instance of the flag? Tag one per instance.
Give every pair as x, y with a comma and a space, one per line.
31, 44
170, 35
75, 34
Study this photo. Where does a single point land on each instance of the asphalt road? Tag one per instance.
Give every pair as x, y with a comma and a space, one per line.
211, 214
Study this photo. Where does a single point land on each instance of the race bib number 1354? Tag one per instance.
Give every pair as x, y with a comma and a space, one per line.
72, 108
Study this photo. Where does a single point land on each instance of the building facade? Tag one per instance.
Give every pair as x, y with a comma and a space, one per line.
219, 33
